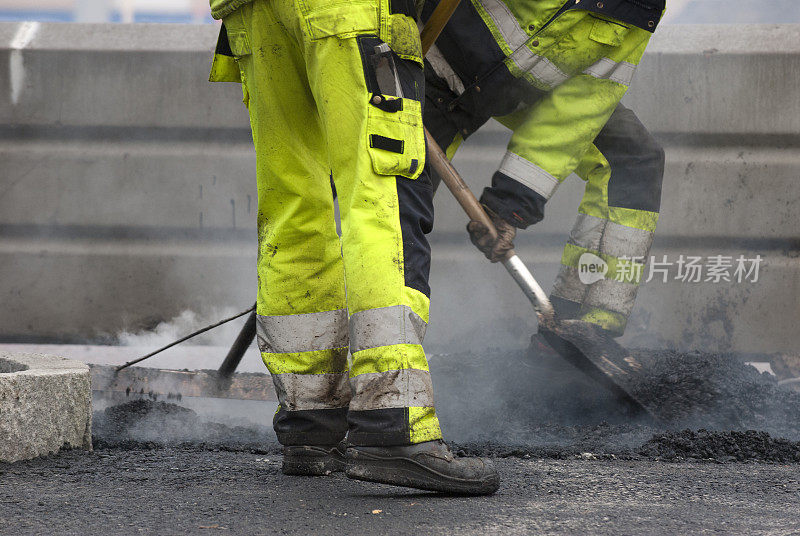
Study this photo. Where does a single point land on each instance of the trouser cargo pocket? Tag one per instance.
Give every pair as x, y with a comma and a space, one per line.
395, 136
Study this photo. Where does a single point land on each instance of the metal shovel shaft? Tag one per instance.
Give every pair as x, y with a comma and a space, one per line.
530, 287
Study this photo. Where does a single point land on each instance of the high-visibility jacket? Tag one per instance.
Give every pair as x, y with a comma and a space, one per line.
574, 59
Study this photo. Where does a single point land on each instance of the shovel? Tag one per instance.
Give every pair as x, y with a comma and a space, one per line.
583, 345
588, 348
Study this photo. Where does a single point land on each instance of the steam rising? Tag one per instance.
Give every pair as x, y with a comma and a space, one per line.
183, 324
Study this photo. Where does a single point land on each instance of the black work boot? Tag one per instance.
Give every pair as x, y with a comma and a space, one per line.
429, 466
313, 460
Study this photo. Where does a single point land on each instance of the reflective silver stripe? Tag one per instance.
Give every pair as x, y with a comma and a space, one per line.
587, 232
302, 333
621, 240
407, 388
540, 67
610, 238
312, 391
608, 69
568, 285
612, 295
444, 71
384, 326
529, 174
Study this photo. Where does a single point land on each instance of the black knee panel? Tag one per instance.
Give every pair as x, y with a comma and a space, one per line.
636, 159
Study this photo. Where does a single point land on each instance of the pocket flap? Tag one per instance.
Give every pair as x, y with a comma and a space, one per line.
240, 44
608, 33
350, 18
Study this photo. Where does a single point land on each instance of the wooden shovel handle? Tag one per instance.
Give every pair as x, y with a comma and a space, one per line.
456, 185
436, 22
436, 155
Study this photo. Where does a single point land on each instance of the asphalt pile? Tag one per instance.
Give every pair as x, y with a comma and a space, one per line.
718, 392
528, 404
524, 403
721, 447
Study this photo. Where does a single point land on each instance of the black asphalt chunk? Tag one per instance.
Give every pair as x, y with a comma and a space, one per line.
721, 447
518, 403
701, 390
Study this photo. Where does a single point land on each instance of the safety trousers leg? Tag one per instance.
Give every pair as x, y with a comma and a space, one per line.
313, 110
615, 225
302, 317
377, 151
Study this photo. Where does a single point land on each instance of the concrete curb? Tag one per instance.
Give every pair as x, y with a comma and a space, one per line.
45, 405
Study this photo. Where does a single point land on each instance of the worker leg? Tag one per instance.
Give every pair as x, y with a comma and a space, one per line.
377, 150
302, 319
616, 222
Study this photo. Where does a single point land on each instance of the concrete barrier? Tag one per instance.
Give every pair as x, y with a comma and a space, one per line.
45, 405
128, 190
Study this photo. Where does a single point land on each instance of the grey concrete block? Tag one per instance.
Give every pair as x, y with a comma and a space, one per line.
702, 79
720, 79
153, 184
45, 405
93, 288
143, 75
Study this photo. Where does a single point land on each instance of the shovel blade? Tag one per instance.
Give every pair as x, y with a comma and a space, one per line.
595, 353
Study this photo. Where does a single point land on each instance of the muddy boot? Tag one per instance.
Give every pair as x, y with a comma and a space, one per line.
429, 466
313, 460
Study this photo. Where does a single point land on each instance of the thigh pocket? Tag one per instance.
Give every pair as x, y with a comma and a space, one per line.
395, 136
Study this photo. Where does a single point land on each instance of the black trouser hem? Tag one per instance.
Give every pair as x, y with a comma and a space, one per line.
310, 427
379, 427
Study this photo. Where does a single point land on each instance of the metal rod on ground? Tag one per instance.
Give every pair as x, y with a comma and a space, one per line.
240, 346
198, 332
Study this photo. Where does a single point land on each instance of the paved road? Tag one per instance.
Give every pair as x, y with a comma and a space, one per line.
170, 491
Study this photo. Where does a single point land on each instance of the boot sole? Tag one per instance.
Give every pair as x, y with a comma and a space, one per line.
311, 461
411, 474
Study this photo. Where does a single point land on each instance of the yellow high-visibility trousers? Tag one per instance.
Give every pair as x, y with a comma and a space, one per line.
327, 99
